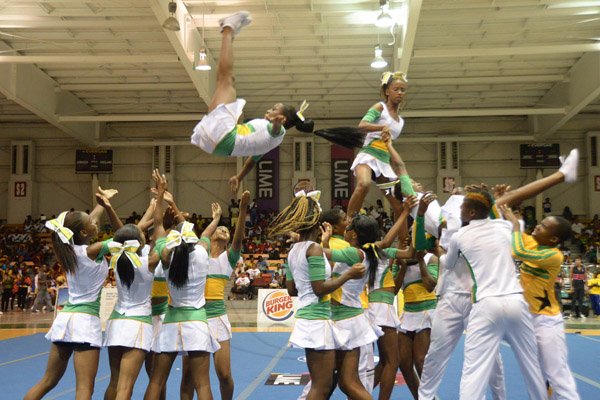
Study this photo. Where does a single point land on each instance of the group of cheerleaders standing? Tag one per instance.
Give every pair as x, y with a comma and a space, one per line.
171, 290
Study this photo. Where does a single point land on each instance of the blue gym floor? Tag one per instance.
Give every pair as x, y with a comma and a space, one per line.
256, 355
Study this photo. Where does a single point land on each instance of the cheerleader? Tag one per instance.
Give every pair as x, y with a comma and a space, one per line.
220, 267
307, 276
129, 330
362, 234
377, 159
77, 327
185, 329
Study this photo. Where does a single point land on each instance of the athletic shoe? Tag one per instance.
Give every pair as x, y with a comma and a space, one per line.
236, 21
569, 165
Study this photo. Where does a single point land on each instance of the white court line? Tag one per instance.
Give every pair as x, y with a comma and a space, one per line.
263, 375
68, 391
24, 358
589, 338
582, 378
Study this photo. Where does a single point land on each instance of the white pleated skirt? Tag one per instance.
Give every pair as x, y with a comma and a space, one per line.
128, 333
317, 334
383, 315
416, 321
76, 327
186, 336
215, 125
378, 167
360, 330
220, 328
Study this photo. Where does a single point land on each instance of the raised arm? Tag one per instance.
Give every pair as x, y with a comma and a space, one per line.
168, 197
159, 211
147, 219
216, 217
107, 194
234, 181
429, 279
240, 229
114, 219
388, 239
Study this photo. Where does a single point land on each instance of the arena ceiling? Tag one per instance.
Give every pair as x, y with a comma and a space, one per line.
80, 64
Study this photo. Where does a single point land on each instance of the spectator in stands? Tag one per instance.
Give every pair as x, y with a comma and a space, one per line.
253, 211
7, 295
253, 272
578, 280
262, 264
275, 281
577, 228
567, 214
234, 212
23, 284
242, 286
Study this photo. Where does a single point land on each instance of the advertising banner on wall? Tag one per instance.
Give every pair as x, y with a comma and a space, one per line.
342, 178
275, 307
267, 181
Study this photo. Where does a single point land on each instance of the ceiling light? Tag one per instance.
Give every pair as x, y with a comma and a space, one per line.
202, 64
378, 62
384, 19
171, 23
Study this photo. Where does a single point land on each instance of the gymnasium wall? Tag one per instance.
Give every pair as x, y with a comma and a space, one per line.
198, 178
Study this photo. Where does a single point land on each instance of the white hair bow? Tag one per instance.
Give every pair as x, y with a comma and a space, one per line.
58, 225
129, 248
187, 235
303, 107
315, 195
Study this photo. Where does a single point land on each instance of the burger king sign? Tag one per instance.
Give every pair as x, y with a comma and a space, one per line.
275, 308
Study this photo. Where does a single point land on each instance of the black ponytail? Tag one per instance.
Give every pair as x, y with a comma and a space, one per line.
367, 233
125, 268
179, 266
64, 251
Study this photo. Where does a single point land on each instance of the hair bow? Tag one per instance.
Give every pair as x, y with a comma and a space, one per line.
387, 77
187, 235
303, 107
129, 248
372, 246
58, 225
315, 195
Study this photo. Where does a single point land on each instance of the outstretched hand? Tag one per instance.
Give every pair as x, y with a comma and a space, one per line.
245, 199
234, 185
160, 180
409, 203
357, 271
508, 214
102, 200
326, 232
216, 210
107, 193
427, 199
500, 190
168, 196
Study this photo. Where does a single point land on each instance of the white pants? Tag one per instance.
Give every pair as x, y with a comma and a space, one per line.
552, 345
491, 320
366, 370
451, 317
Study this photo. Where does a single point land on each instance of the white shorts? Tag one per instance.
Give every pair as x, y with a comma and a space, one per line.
416, 321
128, 333
215, 125
156, 325
186, 336
383, 314
76, 327
360, 330
220, 328
317, 334
378, 167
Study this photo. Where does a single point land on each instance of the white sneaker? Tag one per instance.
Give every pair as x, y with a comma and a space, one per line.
569, 165
236, 21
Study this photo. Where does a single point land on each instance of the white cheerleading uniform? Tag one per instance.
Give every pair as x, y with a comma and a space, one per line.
348, 316
381, 302
79, 321
220, 269
314, 328
499, 310
452, 314
419, 305
185, 326
159, 290
374, 152
218, 133
130, 324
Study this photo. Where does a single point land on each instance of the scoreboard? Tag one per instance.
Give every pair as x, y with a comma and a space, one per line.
539, 155
93, 161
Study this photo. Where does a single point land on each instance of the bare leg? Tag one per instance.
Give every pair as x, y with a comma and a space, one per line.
420, 349
114, 359
186, 387
321, 365
397, 210
150, 360
86, 366
515, 197
349, 381
388, 359
363, 183
405, 347
131, 363
225, 90
160, 373
223, 368
58, 359
199, 366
